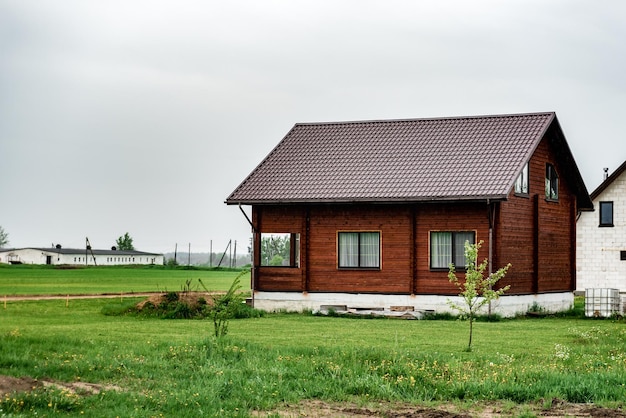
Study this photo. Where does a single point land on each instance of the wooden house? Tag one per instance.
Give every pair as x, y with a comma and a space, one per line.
373, 212
601, 237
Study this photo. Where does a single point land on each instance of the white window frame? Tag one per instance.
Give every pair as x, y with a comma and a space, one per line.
521, 183
552, 183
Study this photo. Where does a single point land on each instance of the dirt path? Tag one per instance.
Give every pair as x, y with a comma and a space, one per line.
554, 409
321, 409
10, 298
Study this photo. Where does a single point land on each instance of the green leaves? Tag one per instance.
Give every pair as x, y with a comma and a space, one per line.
225, 306
476, 290
4, 237
125, 242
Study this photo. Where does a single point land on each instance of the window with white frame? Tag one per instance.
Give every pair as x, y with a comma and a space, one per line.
521, 183
448, 247
358, 249
552, 183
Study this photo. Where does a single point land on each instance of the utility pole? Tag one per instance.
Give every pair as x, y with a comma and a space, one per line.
88, 248
224, 255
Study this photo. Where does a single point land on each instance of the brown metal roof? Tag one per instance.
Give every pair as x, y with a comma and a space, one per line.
460, 158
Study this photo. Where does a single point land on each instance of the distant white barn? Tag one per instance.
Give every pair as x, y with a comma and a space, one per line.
601, 237
73, 256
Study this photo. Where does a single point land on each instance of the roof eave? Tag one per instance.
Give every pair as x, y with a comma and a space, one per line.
342, 201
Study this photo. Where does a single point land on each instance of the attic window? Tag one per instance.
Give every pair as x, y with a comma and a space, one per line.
552, 183
521, 184
606, 213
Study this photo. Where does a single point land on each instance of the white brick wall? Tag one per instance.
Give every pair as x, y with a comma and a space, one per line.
598, 263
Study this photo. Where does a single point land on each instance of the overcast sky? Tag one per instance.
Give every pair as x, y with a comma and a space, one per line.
143, 116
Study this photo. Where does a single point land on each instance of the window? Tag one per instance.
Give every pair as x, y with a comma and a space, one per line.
359, 249
521, 184
552, 183
280, 249
449, 247
606, 213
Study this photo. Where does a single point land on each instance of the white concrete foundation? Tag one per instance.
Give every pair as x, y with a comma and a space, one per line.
506, 306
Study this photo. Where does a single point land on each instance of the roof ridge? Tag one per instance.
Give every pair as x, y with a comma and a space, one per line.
607, 181
435, 118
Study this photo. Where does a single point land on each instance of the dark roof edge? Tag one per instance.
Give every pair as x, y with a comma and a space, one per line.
536, 143
614, 175
245, 180
504, 115
583, 201
430, 199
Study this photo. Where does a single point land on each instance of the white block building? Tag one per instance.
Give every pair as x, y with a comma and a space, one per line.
72, 256
601, 237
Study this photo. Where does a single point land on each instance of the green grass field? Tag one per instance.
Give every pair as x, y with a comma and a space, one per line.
174, 367
49, 280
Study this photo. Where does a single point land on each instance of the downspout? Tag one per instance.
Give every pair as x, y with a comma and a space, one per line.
573, 218
246, 215
490, 256
307, 241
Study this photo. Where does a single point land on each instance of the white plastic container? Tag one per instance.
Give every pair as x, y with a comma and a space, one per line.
602, 302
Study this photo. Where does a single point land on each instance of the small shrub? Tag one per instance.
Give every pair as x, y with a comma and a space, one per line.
494, 317
440, 316
171, 297
243, 310
186, 304
225, 307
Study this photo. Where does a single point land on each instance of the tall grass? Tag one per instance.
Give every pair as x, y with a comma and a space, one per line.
174, 367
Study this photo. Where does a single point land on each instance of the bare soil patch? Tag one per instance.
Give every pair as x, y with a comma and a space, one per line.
192, 299
318, 409
10, 384
557, 409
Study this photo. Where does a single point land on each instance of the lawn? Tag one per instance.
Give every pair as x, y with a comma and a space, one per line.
51, 280
175, 368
